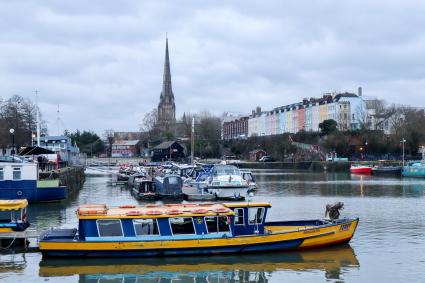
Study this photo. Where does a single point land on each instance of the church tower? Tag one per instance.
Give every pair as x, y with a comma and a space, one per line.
166, 106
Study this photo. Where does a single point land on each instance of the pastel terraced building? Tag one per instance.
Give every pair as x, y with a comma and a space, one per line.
347, 109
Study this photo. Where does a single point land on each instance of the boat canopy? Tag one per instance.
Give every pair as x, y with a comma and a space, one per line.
15, 204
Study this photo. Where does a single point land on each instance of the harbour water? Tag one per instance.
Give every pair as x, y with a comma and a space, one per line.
389, 244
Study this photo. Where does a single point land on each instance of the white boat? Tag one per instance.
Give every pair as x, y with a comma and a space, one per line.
249, 178
226, 182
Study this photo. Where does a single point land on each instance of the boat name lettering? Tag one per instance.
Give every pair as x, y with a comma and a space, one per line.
311, 231
345, 227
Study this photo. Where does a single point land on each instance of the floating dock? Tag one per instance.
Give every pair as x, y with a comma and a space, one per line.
191, 193
17, 240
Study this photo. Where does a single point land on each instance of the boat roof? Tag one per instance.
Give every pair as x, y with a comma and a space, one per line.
14, 204
102, 211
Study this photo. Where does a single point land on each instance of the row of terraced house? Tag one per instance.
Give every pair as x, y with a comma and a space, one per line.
347, 109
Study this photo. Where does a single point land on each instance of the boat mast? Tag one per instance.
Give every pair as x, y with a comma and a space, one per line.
192, 141
37, 117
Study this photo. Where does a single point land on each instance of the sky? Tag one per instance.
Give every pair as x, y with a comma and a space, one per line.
102, 61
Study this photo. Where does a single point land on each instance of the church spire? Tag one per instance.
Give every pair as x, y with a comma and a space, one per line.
166, 107
167, 91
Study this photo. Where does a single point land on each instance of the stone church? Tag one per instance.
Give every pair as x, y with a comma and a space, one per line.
166, 107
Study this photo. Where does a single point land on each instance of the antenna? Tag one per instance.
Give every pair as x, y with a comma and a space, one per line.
58, 120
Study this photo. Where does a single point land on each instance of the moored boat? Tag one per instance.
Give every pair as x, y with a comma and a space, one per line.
226, 182
20, 181
169, 187
360, 169
188, 229
145, 189
387, 171
13, 218
249, 178
414, 169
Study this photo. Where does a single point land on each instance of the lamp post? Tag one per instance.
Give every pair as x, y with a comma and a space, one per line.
365, 150
12, 133
403, 141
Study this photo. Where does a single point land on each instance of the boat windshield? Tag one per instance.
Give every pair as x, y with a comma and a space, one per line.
226, 170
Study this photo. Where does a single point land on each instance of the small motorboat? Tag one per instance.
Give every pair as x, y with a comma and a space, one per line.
414, 169
191, 229
249, 178
361, 169
13, 218
226, 183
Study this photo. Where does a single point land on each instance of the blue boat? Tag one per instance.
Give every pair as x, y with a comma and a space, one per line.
169, 187
414, 169
20, 181
189, 229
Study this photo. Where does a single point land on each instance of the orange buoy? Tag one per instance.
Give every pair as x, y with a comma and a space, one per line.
221, 209
152, 205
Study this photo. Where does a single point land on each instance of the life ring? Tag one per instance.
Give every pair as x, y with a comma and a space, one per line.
174, 211
221, 209
153, 212
19, 193
200, 211
190, 204
172, 204
133, 212
127, 206
152, 205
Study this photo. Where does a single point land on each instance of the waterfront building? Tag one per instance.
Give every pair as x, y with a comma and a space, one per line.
235, 128
126, 148
63, 147
347, 109
166, 107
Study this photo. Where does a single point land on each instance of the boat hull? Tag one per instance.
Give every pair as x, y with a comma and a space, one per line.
387, 171
361, 170
336, 233
29, 191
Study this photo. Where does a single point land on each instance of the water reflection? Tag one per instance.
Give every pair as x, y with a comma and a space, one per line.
334, 262
338, 184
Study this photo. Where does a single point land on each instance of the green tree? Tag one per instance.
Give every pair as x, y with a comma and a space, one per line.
88, 142
328, 126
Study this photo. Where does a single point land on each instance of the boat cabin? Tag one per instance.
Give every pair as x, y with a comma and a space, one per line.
169, 186
13, 215
170, 221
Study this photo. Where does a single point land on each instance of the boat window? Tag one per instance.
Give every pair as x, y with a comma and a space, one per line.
5, 216
144, 227
255, 215
16, 173
182, 225
1, 174
109, 228
173, 180
239, 216
217, 224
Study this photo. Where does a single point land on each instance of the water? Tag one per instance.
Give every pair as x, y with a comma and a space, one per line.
389, 244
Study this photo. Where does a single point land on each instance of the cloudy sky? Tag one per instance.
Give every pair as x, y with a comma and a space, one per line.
102, 61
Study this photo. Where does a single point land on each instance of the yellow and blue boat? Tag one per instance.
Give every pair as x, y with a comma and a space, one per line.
13, 220
188, 229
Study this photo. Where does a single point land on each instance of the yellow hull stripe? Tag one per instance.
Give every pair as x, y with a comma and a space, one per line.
312, 237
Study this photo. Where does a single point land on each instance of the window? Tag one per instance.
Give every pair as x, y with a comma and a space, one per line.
1, 174
239, 216
256, 215
182, 225
109, 228
16, 173
217, 224
143, 227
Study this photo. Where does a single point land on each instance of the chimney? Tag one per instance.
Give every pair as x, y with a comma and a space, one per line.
360, 91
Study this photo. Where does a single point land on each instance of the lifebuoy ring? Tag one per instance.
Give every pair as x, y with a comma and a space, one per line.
174, 211
200, 211
127, 206
133, 212
153, 212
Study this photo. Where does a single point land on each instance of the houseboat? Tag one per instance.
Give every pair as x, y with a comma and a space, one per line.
20, 181
188, 229
226, 182
145, 189
169, 187
13, 218
361, 169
